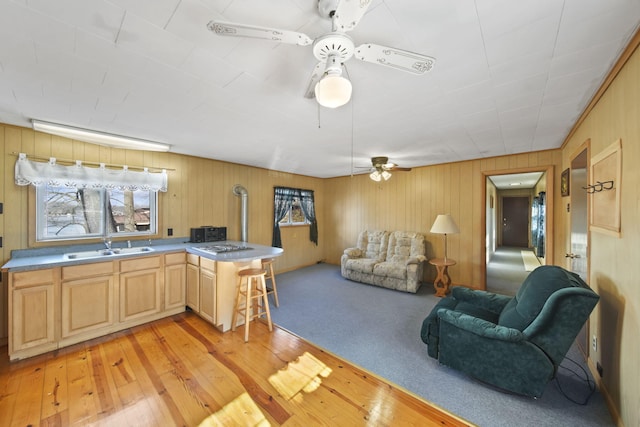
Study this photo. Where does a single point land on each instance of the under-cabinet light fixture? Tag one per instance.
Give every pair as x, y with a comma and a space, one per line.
100, 138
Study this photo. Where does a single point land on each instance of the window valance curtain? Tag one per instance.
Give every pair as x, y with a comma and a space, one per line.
79, 176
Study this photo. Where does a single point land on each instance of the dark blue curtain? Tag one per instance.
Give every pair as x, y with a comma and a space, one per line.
307, 204
282, 199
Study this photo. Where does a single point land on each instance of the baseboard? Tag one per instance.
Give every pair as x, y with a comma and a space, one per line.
613, 410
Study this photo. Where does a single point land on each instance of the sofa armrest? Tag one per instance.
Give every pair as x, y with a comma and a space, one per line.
353, 252
483, 299
416, 259
479, 326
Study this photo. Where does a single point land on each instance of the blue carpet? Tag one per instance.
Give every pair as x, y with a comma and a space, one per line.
379, 330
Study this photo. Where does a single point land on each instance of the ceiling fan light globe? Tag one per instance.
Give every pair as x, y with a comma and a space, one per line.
333, 91
386, 175
376, 176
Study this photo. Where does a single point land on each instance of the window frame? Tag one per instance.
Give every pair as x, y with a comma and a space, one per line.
288, 216
40, 235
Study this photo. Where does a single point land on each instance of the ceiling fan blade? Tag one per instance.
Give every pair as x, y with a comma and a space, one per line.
349, 12
315, 78
255, 32
395, 58
399, 169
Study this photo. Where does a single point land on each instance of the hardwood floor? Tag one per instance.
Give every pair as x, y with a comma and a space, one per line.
181, 371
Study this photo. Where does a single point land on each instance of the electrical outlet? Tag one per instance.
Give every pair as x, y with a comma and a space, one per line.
169, 231
594, 343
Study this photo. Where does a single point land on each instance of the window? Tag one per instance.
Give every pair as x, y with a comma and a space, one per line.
295, 215
292, 206
78, 202
64, 213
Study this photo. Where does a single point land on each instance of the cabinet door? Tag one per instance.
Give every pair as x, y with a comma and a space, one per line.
175, 278
32, 319
140, 294
193, 287
208, 295
87, 304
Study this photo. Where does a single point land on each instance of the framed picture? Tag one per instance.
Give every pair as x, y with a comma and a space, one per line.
564, 183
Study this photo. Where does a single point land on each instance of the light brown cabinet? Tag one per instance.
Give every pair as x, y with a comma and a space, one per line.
208, 289
193, 282
87, 299
56, 307
32, 308
140, 287
175, 280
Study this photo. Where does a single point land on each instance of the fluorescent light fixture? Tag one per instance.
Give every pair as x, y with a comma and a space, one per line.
100, 138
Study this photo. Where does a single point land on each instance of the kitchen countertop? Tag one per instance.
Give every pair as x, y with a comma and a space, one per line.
34, 259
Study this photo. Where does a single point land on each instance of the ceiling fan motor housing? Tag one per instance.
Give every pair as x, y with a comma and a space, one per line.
334, 44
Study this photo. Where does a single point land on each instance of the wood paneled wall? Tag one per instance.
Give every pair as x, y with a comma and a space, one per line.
613, 261
410, 201
199, 193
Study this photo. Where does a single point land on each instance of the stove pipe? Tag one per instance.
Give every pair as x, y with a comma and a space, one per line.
239, 190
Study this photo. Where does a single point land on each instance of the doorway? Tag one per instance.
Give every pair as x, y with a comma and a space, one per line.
514, 222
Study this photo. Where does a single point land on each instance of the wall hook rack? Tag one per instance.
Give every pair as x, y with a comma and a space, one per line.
598, 187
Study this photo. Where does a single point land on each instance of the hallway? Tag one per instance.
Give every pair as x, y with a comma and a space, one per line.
506, 271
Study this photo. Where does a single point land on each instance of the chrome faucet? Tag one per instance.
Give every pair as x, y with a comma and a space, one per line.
107, 243
128, 243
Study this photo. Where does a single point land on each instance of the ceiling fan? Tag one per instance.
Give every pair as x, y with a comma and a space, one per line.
333, 49
381, 168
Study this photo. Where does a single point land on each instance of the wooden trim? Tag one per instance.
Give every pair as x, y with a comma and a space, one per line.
622, 60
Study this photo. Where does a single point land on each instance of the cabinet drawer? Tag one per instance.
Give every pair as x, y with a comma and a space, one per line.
193, 259
22, 279
207, 264
177, 258
142, 263
87, 270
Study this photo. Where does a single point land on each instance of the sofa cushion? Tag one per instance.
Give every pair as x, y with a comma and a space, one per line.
404, 245
361, 265
534, 293
373, 244
397, 270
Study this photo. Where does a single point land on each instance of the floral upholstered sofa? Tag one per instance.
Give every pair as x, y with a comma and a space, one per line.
393, 260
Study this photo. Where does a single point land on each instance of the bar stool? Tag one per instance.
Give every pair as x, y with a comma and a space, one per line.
255, 288
267, 265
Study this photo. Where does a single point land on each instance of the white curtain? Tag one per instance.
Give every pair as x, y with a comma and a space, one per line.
79, 176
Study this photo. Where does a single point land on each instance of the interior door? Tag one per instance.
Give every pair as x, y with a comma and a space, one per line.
579, 215
515, 221
578, 256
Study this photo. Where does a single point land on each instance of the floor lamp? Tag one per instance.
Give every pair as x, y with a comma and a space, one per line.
444, 224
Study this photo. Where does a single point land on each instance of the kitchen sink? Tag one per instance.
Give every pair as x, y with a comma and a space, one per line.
102, 253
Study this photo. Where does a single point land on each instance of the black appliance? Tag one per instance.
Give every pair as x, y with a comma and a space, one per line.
208, 234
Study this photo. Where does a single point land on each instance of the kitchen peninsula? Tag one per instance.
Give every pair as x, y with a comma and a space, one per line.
62, 296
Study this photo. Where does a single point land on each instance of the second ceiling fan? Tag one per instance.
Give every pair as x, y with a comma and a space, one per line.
333, 49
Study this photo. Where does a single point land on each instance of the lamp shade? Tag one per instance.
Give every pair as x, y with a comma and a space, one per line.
333, 91
444, 224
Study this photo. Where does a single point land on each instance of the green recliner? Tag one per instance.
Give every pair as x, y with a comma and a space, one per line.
513, 343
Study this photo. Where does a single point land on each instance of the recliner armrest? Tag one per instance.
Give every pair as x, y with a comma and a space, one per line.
353, 252
483, 299
416, 259
479, 326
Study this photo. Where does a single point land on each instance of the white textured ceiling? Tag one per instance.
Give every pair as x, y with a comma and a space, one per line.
510, 77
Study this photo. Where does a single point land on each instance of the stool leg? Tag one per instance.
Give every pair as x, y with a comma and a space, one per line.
247, 307
272, 276
265, 298
236, 307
